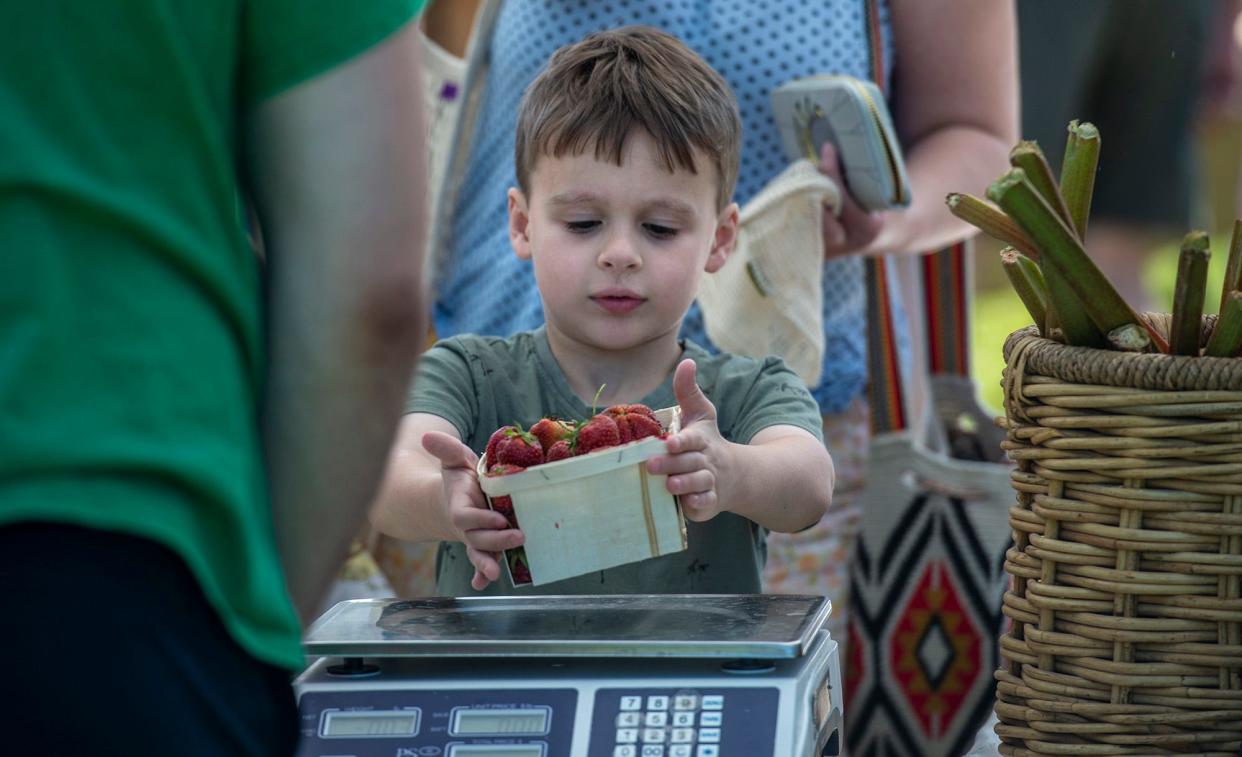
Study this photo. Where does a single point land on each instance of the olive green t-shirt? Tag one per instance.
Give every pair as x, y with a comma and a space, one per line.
479, 384
131, 357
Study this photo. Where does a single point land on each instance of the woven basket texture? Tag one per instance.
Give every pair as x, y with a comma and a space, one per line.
1126, 620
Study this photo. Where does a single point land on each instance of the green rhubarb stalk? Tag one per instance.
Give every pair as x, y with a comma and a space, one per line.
986, 217
1030, 290
1063, 253
1028, 157
1226, 339
1082, 155
1188, 293
1065, 320
1233, 267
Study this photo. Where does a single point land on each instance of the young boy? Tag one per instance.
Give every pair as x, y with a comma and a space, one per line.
626, 157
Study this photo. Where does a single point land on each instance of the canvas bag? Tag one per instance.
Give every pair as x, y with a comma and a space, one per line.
768, 297
927, 576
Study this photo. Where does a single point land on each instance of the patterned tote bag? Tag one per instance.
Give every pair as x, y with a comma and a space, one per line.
926, 575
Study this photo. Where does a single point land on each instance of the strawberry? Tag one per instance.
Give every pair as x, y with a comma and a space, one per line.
499, 435
504, 506
634, 422
599, 432
518, 567
504, 469
549, 431
518, 447
558, 451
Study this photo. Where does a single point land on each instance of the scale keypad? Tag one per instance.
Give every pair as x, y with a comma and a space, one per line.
736, 721
681, 725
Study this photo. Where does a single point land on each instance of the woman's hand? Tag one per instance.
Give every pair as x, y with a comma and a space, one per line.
854, 228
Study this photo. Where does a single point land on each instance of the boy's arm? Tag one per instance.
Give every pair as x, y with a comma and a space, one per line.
338, 186
410, 505
431, 493
782, 480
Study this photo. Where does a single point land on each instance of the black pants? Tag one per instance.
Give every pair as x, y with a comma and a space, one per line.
110, 648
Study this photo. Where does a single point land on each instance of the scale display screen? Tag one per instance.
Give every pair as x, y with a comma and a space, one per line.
369, 724
514, 722
508, 750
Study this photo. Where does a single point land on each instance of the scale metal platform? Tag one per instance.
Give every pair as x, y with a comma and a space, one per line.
572, 676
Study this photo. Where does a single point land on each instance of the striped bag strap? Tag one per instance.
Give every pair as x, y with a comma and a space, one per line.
947, 298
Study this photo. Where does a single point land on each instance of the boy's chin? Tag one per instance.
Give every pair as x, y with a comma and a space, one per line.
612, 337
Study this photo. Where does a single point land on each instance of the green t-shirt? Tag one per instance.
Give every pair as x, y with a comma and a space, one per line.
479, 384
131, 356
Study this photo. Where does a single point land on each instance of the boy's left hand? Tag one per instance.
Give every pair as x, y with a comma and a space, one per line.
696, 454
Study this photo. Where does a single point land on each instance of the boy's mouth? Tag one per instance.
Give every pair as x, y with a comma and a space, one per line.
617, 301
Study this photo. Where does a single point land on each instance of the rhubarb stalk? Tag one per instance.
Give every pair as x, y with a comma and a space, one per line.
1188, 293
986, 217
1082, 155
1063, 253
1030, 289
1233, 267
1226, 339
1028, 157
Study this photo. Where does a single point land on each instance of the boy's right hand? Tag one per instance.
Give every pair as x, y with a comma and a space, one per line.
485, 532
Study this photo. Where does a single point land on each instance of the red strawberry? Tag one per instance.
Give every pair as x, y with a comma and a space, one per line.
504, 506
597, 433
558, 451
518, 567
504, 469
500, 434
549, 431
634, 422
518, 447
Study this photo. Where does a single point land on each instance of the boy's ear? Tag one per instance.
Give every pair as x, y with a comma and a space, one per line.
726, 237
519, 223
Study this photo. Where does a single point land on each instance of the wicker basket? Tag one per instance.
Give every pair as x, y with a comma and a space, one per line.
1126, 633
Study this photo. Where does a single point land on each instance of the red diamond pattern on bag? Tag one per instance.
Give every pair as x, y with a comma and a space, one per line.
936, 650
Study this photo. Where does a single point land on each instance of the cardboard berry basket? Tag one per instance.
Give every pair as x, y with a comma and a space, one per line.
591, 512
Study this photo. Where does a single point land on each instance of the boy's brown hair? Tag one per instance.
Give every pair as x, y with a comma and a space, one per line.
596, 91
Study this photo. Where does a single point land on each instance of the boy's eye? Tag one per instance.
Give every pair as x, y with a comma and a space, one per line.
581, 227
660, 232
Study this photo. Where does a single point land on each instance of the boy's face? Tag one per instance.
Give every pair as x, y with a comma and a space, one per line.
618, 250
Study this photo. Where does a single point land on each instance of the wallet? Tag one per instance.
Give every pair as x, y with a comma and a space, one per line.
852, 114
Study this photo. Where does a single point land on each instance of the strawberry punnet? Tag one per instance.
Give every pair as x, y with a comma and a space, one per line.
558, 451
599, 432
518, 447
634, 422
549, 431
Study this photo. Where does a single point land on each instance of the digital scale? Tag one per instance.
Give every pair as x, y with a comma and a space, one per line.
572, 676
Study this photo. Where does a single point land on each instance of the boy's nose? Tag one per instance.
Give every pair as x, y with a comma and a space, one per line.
619, 254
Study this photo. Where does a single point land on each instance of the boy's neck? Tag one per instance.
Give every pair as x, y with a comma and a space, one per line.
626, 375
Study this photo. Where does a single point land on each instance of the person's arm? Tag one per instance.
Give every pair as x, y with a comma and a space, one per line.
782, 479
431, 493
338, 180
955, 107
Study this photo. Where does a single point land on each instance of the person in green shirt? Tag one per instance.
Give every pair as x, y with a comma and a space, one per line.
627, 153
188, 438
